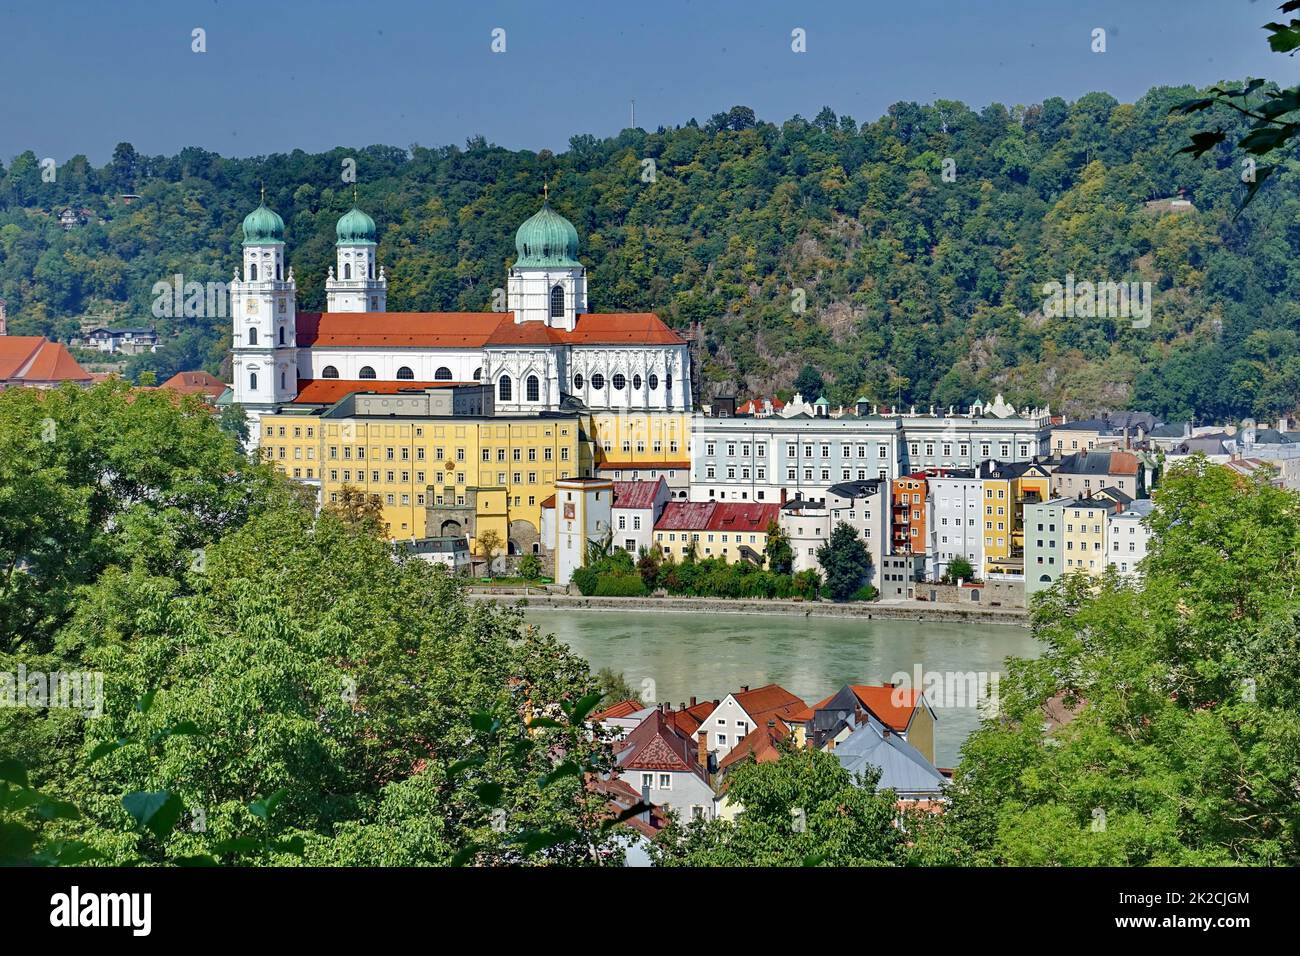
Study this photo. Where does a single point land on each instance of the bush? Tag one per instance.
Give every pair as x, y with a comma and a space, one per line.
807, 584
867, 592
620, 585
586, 579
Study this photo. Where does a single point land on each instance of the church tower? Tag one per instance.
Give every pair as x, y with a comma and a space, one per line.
547, 282
356, 283
263, 308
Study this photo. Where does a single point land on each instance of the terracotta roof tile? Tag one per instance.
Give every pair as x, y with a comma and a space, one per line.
33, 360
686, 516
624, 708
636, 494
327, 391
769, 701
742, 516
474, 330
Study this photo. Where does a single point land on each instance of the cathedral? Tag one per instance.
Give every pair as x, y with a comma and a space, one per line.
543, 352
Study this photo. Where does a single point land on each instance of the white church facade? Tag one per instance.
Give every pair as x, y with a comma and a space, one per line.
544, 352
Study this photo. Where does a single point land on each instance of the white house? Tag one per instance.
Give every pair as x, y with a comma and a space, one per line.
1128, 536
580, 514
637, 506
953, 520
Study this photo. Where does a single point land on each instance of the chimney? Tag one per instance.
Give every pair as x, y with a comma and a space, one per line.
771, 724
744, 688
702, 749
692, 701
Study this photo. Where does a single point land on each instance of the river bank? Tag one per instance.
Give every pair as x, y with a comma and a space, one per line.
909, 611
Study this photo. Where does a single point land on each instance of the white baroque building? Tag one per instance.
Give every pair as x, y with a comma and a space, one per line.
544, 352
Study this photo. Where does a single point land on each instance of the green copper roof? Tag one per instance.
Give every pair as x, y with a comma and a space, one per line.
262, 227
355, 228
547, 239
821, 401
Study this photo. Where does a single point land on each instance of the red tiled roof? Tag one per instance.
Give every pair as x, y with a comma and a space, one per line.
636, 494
642, 465
624, 708
34, 360
760, 742
688, 721
755, 405
742, 516
769, 701
685, 516
195, 383
657, 744
880, 701
474, 330
327, 391
548, 501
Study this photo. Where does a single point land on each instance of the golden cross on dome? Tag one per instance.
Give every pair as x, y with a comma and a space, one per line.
263, 185
546, 191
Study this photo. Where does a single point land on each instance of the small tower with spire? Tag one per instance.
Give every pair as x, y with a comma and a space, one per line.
357, 283
547, 282
263, 308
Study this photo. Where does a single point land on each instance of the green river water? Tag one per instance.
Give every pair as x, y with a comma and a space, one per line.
710, 655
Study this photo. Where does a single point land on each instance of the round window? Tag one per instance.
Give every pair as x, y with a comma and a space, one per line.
577, 381
636, 382
620, 382
654, 382
598, 381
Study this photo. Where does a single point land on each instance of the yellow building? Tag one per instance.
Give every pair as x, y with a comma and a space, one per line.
434, 474
642, 446
1083, 537
1007, 490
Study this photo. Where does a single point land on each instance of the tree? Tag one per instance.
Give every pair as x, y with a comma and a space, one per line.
802, 809
845, 560
489, 546
613, 687
530, 568
1262, 102
959, 569
234, 422
359, 510
777, 550
1183, 743
809, 383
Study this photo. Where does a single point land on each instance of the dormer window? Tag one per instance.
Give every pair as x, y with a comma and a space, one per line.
557, 302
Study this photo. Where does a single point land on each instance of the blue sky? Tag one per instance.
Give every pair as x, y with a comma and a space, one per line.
286, 74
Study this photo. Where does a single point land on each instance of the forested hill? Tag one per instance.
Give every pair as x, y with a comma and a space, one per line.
911, 283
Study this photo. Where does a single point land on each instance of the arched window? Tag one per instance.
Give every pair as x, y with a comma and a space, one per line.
577, 381
504, 391
252, 336
1045, 578
372, 270
252, 272
404, 374
533, 389
279, 271
442, 375
329, 371
598, 381
282, 385
557, 302
282, 335
366, 372
252, 381
347, 270
619, 381
654, 381
478, 375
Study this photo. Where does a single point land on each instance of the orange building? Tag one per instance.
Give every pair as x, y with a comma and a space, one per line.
908, 513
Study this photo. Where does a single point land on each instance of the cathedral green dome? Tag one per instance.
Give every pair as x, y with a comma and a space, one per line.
355, 228
263, 227
547, 239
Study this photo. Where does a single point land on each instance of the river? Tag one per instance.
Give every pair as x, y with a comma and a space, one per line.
710, 655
